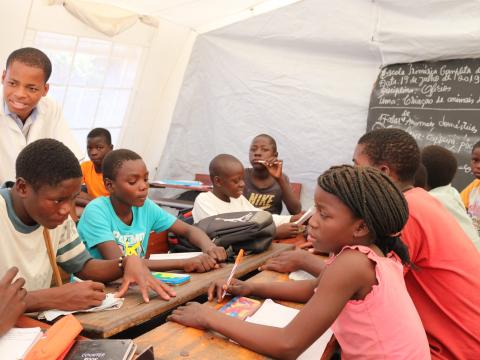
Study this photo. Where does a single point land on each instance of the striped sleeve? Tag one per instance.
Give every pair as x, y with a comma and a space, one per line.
71, 254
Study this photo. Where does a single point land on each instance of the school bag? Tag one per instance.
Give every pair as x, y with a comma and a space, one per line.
252, 231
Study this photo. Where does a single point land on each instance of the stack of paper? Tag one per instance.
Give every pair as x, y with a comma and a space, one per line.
15, 343
110, 303
273, 314
174, 256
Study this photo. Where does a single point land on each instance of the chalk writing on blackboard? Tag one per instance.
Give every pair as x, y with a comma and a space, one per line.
438, 103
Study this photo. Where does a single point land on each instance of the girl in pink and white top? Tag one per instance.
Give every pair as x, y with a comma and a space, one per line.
360, 293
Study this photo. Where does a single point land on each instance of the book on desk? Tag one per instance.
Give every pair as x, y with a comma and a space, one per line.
171, 278
110, 349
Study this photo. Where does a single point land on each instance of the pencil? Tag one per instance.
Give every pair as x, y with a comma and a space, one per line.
229, 280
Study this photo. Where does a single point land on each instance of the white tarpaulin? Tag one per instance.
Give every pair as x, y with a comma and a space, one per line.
413, 30
302, 74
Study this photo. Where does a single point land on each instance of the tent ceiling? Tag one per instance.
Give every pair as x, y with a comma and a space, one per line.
196, 14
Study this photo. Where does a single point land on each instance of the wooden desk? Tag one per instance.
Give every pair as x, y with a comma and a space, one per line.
174, 341
134, 311
297, 240
155, 195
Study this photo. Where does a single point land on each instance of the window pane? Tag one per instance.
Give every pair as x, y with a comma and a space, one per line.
90, 63
92, 78
60, 50
112, 108
123, 66
80, 106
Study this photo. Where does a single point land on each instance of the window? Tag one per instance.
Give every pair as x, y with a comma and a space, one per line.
93, 79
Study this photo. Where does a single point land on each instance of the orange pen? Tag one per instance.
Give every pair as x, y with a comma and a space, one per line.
229, 280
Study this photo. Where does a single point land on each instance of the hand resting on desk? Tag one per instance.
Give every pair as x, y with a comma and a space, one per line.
192, 314
196, 315
201, 263
137, 272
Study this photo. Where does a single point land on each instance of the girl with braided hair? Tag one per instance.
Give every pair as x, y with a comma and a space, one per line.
360, 293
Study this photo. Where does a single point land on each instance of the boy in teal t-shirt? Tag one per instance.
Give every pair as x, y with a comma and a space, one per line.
120, 225
100, 223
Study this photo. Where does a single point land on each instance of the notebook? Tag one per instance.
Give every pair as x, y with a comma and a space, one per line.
104, 349
171, 278
17, 341
273, 314
240, 307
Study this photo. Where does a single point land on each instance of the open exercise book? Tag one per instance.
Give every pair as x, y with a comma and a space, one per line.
16, 342
273, 314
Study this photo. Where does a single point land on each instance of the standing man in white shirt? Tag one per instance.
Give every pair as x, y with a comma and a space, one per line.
26, 114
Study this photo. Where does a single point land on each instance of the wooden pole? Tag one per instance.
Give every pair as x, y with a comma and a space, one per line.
52, 257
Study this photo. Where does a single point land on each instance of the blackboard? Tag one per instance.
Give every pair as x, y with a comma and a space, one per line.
438, 103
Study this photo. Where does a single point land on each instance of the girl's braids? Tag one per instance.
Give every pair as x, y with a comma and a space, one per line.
375, 199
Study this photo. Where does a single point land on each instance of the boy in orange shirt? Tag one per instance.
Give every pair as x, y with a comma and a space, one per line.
99, 144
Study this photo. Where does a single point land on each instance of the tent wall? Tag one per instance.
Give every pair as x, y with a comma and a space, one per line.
13, 22
147, 126
302, 74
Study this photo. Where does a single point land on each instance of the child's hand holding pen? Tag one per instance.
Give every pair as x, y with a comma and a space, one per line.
274, 166
236, 288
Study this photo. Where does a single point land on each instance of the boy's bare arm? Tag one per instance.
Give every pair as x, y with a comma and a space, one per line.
294, 260
289, 198
71, 296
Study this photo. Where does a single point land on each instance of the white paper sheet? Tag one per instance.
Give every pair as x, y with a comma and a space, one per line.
300, 275
273, 314
174, 256
110, 303
17, 341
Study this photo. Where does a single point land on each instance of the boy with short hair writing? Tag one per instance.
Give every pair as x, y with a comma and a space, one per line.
48, 178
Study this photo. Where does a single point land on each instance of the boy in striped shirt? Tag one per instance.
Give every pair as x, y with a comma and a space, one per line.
48, 178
